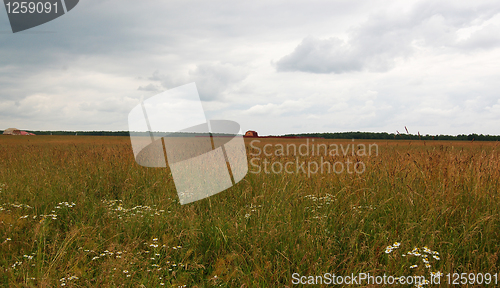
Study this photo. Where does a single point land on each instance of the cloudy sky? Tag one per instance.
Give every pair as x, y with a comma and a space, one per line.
273, 66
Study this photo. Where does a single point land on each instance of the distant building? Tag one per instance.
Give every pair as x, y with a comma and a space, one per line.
12, 131
15, 131
251, 133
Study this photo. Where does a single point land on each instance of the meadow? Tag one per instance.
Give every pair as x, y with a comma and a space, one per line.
77, 211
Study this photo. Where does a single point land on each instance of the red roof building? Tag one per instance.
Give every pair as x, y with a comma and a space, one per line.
14, 131
251, 133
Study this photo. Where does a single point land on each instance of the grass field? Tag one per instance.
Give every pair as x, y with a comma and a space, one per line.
77, 211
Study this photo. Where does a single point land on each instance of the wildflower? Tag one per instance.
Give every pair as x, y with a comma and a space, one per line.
413, 266
437, 274
17, 264
125, 271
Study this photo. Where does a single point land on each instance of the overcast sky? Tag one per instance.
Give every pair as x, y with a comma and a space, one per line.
273, 66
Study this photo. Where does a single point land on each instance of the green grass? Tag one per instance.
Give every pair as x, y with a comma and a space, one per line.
443, 195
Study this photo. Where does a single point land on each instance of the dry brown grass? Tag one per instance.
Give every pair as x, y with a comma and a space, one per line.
439, 194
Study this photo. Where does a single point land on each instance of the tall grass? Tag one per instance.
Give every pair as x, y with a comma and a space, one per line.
79, 212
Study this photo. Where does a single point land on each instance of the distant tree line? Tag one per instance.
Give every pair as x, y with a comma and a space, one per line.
328, 135
121, 133
396, 136
83, 133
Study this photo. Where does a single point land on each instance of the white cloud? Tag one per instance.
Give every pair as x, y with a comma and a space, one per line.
289, 106
150, 88
321, 56
213, 80
379, 42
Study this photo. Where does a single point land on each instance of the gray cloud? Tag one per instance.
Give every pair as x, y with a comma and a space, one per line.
384, 38
321, 56
436, 63
156, 76
213, 80
150, 88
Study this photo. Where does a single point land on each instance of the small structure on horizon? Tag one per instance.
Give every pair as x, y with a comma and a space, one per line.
15, 131
251, 133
